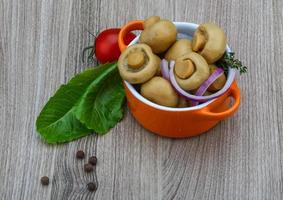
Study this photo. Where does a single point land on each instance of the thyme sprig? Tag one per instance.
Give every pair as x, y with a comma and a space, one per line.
229, 60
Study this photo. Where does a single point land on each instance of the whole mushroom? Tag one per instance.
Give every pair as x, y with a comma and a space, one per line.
190, 71
137, 64
158, 34
160, 91
178, 49
218, 83
209, 40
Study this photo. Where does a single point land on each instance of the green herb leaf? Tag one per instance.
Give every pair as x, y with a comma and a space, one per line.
229, 60
58, 121
101, 106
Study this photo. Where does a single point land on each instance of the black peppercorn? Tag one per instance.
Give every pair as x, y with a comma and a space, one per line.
44, 180
91, 186
88, 167
80, 154
92, 160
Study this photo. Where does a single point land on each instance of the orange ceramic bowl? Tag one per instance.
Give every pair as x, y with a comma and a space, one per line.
179, 122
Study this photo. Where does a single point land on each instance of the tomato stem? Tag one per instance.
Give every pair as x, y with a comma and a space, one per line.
91, 53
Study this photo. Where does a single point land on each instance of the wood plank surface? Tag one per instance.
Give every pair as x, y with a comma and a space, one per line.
241, 158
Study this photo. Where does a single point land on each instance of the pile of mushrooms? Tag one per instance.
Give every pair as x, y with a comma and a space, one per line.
187, 69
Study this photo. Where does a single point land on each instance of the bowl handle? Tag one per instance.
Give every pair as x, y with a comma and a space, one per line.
235, 93
130, 26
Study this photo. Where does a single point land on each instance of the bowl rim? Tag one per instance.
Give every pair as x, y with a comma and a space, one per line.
136, 94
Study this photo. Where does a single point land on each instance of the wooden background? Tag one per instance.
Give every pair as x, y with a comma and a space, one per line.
241, 158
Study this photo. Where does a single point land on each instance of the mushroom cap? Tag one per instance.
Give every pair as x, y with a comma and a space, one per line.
200, 74
178, 49
218, 83
160, 91
214, 40
159, 36
150, 21
143, 73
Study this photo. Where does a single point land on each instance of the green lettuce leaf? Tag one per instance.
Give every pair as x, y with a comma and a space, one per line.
67, 117
101, 106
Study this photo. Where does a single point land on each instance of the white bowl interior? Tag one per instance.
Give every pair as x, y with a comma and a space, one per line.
185, 30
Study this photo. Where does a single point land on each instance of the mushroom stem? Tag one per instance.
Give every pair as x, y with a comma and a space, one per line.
136, 60
198, 42
184, 68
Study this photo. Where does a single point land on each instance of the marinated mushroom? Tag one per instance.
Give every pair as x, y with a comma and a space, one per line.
210, 41
218, 83
160, 91
191, 70
158, 72
207, 93
158, 34
182, 103
137, 64
178, 49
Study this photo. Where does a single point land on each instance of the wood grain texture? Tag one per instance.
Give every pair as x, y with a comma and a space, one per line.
241, 158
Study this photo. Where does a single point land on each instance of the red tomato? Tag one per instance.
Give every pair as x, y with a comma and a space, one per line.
106, 45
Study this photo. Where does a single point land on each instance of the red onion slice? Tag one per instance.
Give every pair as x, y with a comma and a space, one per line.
164, 69
172, 63
188, 95
194, 103
203, 87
